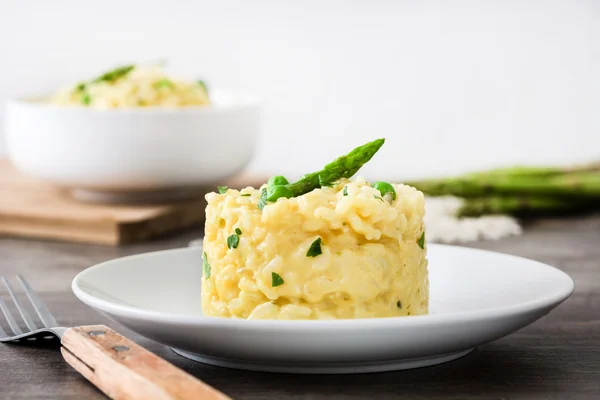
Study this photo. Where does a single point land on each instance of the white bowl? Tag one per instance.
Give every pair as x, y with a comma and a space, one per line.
476, 297
133, 150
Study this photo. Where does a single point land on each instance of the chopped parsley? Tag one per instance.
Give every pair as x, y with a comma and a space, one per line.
398, 304
222, 189
246, 195
205, 266
80, 87
86, 99
233, 241
421, 241
345, 192
276, 280
164, 83
314, 249
203, 85
238, 231
262, 202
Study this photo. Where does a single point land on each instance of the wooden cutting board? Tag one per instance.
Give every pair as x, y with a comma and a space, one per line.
31, 208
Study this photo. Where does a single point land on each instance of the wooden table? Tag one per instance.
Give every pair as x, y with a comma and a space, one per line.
556, 357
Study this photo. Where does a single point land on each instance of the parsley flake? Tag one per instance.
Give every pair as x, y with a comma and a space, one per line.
345, 192
233, 241
205, 266
246, 195
238, 231
276, 280
203, 85
262, 202
222, 189
398, 304
421, 241
314, 249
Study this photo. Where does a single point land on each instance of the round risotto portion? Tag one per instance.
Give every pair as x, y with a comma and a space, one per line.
337, 252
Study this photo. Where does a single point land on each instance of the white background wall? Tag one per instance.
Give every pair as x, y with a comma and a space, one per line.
454, 85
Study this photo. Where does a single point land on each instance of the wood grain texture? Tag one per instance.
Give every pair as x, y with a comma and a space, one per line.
30, 208
557, 357
125, 370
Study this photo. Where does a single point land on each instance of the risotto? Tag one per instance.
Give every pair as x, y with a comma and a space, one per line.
346, 249
133, 86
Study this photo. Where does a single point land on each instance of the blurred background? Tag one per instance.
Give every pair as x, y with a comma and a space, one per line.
454, 86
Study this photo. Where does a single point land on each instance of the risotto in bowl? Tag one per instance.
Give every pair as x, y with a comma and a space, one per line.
325, 247
133, 86
133, 132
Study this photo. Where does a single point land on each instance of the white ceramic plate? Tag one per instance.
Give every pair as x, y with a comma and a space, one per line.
476, 297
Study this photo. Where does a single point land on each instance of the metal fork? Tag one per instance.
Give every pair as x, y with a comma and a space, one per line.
51, 328
119, 367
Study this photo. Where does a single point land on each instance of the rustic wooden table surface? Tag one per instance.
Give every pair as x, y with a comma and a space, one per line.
556, 357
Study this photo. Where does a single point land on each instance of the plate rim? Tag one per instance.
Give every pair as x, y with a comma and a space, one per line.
121, 310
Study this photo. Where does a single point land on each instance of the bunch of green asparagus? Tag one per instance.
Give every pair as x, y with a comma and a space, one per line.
522, 191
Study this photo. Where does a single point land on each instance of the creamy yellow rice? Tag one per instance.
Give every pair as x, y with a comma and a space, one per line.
143, 86
372, 263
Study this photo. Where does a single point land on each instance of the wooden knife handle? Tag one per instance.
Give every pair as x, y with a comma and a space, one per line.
123, 369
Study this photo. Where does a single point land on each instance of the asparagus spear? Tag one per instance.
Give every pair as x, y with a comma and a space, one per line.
115, 74
583, 185
342, 167
526, 171
522, 206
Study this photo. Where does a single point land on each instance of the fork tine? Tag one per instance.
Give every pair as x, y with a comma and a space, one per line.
11, 321
39, 306
24, 314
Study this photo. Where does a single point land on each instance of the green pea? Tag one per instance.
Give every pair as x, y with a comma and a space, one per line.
275, 192
384, 188
164, 83
86, 99
277, 180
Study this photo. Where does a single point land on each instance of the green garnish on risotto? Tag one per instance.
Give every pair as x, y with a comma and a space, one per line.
134, 86
342, 167
276, 280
